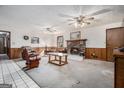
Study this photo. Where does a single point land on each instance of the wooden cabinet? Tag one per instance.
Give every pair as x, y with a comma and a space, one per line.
119, 69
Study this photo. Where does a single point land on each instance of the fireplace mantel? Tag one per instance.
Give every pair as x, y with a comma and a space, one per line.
77, 40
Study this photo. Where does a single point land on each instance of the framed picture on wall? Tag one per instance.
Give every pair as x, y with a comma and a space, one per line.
60, 40
35, 40
75, 35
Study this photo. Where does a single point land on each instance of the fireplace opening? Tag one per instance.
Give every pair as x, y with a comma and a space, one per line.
76, 47
74, 50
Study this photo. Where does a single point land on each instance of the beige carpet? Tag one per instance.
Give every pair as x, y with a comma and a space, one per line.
76, 74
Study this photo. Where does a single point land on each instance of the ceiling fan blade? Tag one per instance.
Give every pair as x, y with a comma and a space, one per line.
90, 18
65, 15
76, 18
49, 30
100, 12
42, 30
87, 23
70, 20
70, 23
54, 26
54, 30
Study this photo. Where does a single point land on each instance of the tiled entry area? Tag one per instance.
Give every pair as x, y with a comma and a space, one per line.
10, 73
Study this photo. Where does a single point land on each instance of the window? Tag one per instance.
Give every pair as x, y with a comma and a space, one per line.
60, 40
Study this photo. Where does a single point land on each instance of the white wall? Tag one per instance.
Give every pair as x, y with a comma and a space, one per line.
17, 40
96, 35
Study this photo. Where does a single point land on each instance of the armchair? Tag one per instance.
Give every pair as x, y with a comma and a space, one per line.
32, 59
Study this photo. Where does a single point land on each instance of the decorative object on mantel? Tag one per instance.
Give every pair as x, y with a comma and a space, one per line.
75, 35
35, 40
26, 37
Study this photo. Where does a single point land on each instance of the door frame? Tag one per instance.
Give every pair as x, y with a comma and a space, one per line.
3, 42
9, 53
106, 38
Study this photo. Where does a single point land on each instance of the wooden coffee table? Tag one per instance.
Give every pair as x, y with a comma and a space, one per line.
57, 58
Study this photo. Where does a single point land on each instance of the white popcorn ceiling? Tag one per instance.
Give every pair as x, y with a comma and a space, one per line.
35, 17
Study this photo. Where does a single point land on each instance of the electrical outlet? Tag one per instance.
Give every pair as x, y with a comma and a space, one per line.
93, 55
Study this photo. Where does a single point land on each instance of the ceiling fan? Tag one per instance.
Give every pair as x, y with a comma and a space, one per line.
49, 29
82, 20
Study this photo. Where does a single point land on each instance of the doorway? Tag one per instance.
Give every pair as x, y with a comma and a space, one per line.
5, 42
1, 45
114, 39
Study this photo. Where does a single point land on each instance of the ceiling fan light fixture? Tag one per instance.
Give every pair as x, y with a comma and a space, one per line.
79, 24
76, 25
82, 24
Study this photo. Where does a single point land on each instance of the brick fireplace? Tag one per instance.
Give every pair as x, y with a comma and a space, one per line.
76, 46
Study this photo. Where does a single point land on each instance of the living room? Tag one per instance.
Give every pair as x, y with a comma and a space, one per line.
70, 43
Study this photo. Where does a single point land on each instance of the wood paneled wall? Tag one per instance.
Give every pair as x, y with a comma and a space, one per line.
39, 49
16, 52
96, 53
100, 53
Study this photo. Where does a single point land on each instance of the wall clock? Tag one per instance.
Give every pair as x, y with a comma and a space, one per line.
26, 37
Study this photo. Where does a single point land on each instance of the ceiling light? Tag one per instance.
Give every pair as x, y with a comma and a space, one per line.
82, 24
76, 25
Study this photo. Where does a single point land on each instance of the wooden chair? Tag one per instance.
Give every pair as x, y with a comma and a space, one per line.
32, 59
24, 50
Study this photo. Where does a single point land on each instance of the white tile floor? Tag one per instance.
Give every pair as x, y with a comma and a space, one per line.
10, 73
